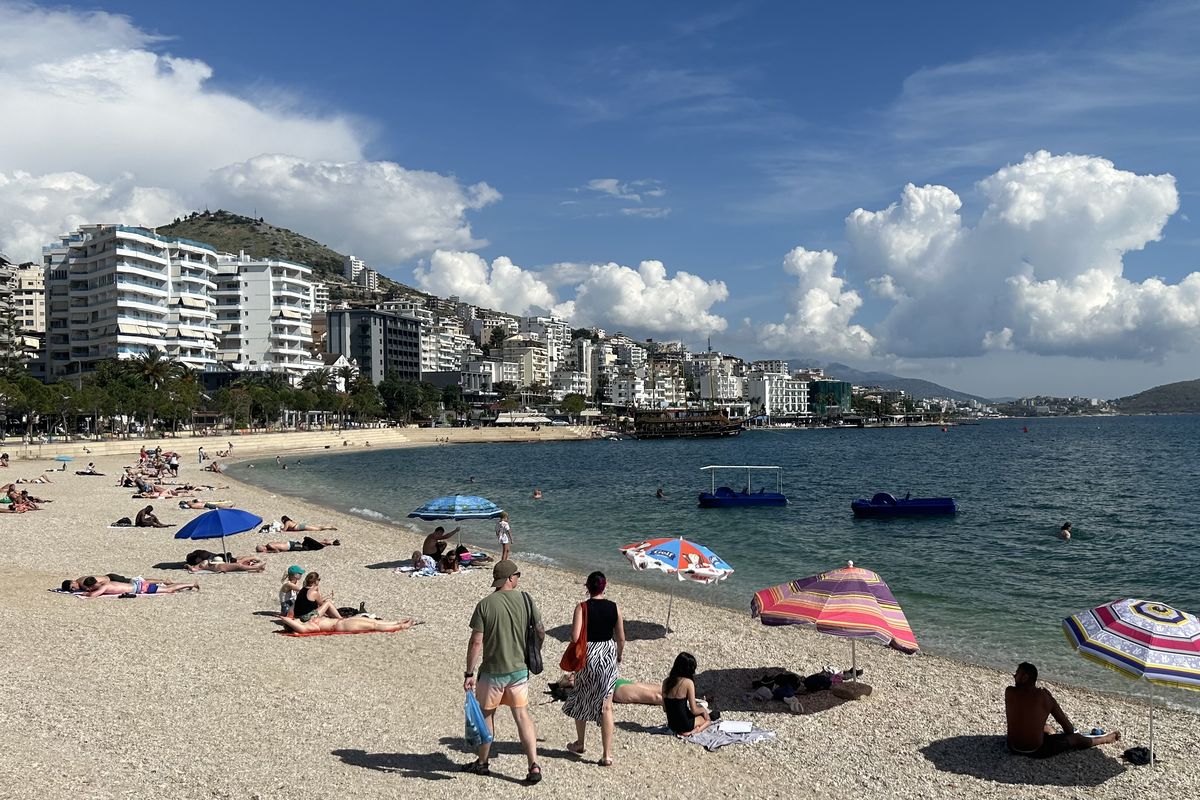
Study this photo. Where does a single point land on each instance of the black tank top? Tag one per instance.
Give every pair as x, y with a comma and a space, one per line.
303, 605
602, 620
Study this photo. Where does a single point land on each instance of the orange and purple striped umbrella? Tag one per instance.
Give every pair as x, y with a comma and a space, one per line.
851, 602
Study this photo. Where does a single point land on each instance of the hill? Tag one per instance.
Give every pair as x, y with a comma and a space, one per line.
915, 387
1172, 398
232, 233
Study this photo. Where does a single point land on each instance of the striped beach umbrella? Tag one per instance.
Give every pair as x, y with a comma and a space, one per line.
1143, 640
676, 556
457, 507
852, 602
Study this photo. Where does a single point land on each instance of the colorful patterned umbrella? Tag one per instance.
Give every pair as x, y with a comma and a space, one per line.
851, 602
688, 561
1140, 639
458, 507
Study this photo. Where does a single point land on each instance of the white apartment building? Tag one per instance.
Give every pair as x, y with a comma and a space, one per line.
320, 298
414, 308
481, 327
368, 279
264, 312
665, 387
627, 388
564, 381
119, 292
555, 332
453, 347
530, 356
777, 394
770, 365
352, 267
29, 297
629, 352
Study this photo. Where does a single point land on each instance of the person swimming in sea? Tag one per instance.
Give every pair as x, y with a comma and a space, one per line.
537, 494
659, 494
1064, 533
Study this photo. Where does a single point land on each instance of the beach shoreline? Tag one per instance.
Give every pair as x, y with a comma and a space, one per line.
210, 685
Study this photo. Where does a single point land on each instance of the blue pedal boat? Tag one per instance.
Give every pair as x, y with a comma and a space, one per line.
886, 505
726, 497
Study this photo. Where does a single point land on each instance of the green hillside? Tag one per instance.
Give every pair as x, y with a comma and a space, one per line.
234, 233
1171, 398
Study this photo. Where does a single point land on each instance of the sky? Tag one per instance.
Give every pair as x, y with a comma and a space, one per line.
995, 197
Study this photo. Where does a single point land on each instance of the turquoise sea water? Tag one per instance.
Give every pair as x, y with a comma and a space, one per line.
988, 586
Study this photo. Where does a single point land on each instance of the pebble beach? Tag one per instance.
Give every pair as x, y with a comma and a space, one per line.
195, 695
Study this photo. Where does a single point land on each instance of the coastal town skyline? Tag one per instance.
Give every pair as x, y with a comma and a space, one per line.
920, 224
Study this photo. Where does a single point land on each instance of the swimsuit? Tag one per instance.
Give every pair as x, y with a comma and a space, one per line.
621, 682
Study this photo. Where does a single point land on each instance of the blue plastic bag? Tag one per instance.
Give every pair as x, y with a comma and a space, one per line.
477, 731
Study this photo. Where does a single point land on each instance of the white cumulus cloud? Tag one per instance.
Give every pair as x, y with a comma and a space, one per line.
646, 299
818, 319
1042, 271
501, 285
109, 126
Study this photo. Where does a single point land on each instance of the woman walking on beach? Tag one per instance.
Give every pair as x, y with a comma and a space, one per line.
598, 619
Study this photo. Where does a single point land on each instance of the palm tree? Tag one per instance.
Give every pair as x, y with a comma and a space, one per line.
316, 380
154, 370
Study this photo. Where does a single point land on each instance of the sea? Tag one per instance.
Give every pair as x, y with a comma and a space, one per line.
990, 585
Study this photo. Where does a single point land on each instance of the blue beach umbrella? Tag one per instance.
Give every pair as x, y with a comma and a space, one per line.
219, 523
64, 458
457, 507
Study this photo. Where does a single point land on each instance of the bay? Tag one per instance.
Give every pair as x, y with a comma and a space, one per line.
990, 585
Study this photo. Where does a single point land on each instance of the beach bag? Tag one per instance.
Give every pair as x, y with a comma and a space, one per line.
576, 656
533, 643
476, 730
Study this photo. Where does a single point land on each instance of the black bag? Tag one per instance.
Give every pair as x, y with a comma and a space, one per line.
533, 643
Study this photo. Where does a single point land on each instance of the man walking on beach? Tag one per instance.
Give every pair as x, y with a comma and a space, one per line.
498, 634
1027, 706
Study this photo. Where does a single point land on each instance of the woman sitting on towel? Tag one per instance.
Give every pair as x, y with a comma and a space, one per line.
349, 625
311, 604
307, 543
684, 715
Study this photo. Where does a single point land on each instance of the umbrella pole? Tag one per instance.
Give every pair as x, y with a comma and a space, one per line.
853, 662
670, 602
1151, 724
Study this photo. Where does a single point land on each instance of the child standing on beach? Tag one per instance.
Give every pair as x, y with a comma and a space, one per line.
504, 535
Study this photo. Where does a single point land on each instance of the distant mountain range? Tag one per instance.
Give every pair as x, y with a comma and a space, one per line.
915, 387
1172, 398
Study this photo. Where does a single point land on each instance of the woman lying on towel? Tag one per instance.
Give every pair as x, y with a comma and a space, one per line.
347, 625
199, 560
625, 692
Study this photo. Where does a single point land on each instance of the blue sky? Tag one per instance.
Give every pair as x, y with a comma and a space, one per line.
533, 155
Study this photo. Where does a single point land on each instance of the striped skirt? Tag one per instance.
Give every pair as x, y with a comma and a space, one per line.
594, 683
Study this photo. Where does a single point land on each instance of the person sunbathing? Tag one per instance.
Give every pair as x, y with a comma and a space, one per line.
76, 585
38, 479
93, 588
1027, 707
290, 524
307, 543
204, 561
146, 519
346, 625
196, 503
625, 692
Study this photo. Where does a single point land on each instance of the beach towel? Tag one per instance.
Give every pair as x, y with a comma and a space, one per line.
713, 738
328, 633
81, 596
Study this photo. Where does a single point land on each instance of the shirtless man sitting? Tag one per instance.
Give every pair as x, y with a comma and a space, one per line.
146, 519
202, 560
307, 543
346, 625
435, 543
93, 587
1027, 706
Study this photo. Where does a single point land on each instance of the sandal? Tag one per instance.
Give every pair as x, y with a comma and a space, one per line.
477, 768
535, 774
605, 762
575, 747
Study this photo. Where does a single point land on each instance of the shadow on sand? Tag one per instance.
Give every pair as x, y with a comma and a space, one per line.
403, 562
170, 565
730, 687
428, 766
635, 630
987, 757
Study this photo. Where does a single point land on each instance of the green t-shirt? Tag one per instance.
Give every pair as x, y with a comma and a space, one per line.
502, 618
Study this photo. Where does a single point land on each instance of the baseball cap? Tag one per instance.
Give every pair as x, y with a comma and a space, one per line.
502, 572
295, 570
